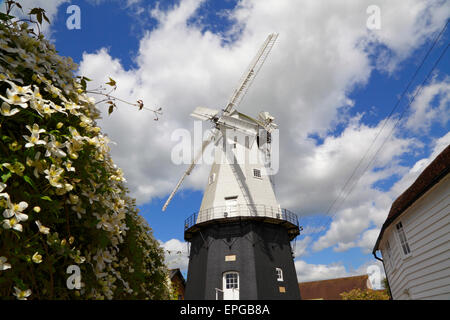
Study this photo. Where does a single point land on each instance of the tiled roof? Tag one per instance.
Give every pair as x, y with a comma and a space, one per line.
175, 272
432, 174
332, 288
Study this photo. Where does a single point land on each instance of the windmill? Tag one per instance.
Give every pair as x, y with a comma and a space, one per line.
241, 236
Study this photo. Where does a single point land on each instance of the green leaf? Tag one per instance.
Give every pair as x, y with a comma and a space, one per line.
46, 18
34, 11
5, 17
46, 198
83, 84
39, 17
29, 181
111, 82
6, 176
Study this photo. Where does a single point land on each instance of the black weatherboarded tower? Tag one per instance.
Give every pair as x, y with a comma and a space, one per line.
244, 258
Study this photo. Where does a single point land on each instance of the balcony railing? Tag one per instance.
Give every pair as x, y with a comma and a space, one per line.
250, 210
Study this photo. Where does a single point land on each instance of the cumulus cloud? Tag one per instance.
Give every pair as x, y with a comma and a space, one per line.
313, 272
176, 254
324, 51
411, 175
424, 112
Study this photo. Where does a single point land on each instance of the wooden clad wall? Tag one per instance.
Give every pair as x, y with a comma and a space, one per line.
425, 272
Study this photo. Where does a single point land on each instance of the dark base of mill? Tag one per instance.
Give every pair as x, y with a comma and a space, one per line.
256, 250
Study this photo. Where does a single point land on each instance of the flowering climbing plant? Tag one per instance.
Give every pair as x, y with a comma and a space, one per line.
63, 201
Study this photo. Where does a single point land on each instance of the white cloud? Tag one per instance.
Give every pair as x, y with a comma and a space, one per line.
425, 113
176, 254
368, 239
409, 177
312, 272
349, 227
301, 246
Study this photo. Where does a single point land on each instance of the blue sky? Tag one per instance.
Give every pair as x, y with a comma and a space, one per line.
333, 83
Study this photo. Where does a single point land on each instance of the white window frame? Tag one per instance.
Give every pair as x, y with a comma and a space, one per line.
230, 288
403, 240
279, 273
233, 284
388, 250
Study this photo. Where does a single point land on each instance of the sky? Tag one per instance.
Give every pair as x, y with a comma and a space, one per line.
333, 82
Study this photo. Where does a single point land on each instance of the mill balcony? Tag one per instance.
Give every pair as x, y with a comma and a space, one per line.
258, 212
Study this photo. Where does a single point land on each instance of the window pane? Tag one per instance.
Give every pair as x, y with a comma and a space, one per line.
231, 280
402, 237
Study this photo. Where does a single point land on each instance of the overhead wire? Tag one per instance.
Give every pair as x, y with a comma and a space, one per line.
325, 226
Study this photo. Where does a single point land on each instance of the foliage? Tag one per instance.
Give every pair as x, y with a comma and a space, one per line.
62, 199
367, 294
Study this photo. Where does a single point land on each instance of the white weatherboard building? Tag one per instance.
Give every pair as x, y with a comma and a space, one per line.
415, 239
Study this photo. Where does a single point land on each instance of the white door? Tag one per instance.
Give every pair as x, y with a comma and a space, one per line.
231, 207
231, 286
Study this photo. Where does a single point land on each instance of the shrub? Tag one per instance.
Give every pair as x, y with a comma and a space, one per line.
368, 294
63, 201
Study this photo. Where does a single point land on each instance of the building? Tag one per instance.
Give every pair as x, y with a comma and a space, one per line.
415, 239
240, 240
178, 283
241, 237
332, 288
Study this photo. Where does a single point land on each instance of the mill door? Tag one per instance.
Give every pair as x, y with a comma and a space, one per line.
231, 286
231, 206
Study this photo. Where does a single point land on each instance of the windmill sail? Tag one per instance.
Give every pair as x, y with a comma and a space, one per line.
251, 73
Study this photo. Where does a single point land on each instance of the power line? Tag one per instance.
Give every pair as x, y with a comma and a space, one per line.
388, 118
386, 121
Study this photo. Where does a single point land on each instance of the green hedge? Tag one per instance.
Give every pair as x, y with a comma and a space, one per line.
63, 201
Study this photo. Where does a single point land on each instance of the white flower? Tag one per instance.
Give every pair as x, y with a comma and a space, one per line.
68, 165
12, 224
54, 175
38, 165
42, 229
15, 99
54, 148
104, 222
6, 111
33, 140
18, 89
21, 295
15, 209
35, 129
3, 264
37, 258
